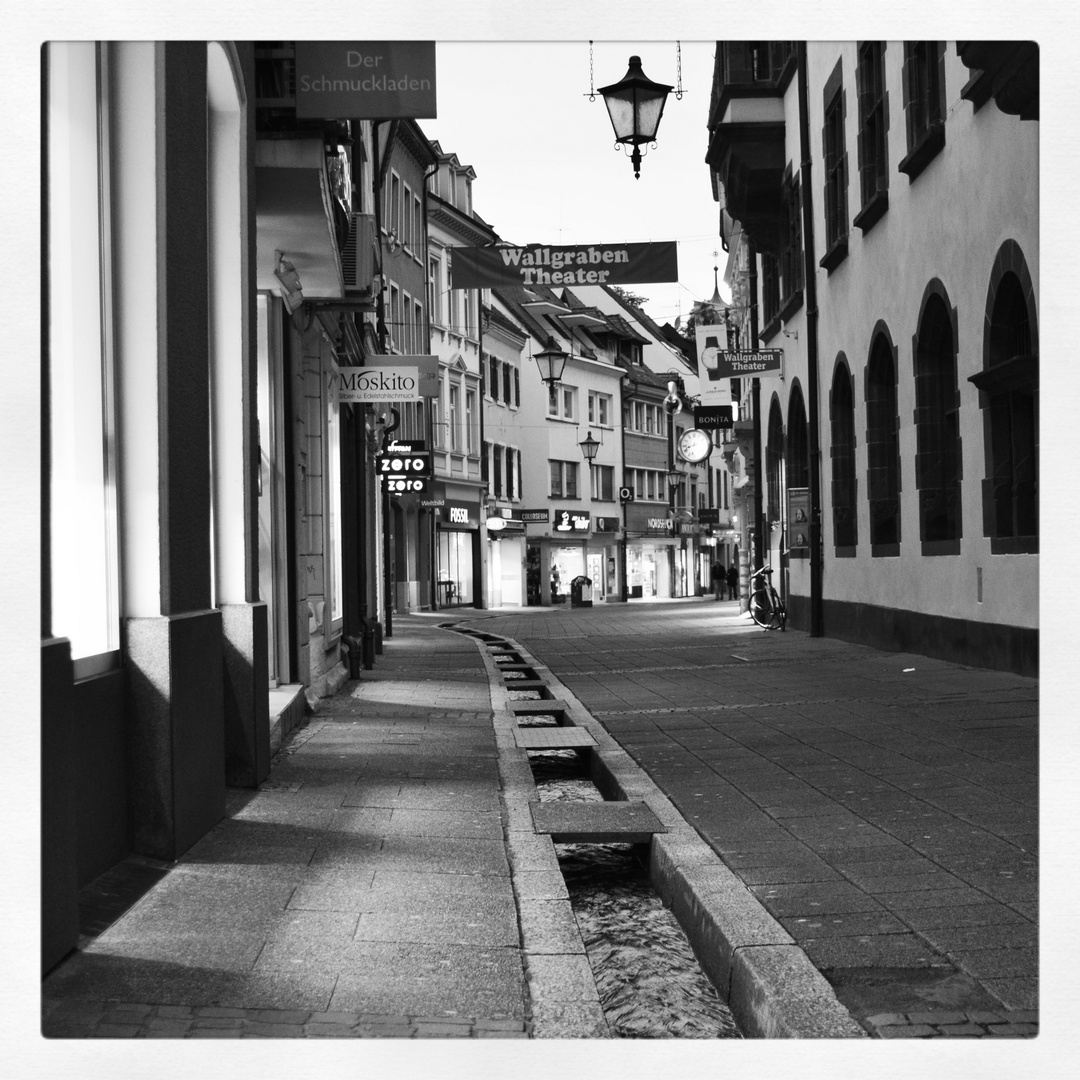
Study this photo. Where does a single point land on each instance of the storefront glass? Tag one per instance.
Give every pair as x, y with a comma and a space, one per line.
455, 584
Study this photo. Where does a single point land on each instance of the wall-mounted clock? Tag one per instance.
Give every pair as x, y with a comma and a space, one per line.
695, 445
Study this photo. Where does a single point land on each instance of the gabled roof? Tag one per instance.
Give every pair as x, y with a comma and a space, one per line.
624, 330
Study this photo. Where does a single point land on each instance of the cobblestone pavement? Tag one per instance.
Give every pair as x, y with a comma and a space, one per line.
363, 891
128, 1020
883, 807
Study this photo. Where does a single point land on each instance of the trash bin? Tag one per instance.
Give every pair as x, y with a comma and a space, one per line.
577, 589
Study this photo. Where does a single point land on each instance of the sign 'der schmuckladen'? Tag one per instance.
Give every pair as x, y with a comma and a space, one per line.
584, 264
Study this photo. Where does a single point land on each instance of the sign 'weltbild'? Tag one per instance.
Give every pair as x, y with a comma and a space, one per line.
586, 264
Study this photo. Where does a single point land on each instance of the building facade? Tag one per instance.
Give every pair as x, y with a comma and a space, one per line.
458, 500
887, 194
211, 526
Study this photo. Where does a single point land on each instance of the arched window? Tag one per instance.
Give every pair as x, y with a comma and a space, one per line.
774, 461
1008, 396
842, 418
937, 430
797, 464
882, 448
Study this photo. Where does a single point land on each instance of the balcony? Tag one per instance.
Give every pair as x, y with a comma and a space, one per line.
1008, 71
747, 135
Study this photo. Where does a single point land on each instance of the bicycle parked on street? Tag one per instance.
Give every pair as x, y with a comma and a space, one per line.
766, 607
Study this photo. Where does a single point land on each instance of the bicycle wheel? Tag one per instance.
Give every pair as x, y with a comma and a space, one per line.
761, 608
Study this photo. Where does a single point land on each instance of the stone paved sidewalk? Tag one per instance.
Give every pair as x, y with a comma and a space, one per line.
127, 1020
363, 891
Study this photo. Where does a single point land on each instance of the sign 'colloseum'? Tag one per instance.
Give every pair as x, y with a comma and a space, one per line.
587, 264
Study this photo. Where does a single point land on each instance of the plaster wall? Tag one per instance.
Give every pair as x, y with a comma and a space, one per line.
946, 225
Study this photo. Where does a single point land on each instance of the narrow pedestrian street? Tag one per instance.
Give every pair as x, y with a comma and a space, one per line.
879, 808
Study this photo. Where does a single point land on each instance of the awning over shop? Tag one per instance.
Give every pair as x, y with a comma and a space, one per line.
295, 216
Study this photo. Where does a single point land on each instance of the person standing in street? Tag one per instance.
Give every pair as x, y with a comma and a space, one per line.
733, 582
718, 580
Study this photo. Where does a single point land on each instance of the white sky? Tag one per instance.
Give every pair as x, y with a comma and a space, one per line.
547, 172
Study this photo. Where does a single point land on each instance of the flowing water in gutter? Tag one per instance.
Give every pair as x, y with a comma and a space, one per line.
649, 981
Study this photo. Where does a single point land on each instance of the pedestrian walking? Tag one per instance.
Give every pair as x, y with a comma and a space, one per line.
733, 583
719, 579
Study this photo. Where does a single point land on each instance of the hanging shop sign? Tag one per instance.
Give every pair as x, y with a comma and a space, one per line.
713, 416
572, 521
405, 466
367, 385
798, 519
729, 364
606, 525
365, 80
426, 365
709, 516
587, 264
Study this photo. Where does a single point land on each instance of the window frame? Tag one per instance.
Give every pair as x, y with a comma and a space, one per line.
924, 105
834, 154
872, 143
83, 450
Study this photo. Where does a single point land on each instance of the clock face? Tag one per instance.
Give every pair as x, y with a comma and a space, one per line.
695, 445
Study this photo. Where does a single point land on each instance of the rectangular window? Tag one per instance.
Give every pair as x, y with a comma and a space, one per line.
517, 387
496, 470
770, 286
602, 482
600, 409
511, 487
493, 380
836, 225
393, 210
791, 272
435, 309
507, 380
564, 479
453, 417
405, 219
471, 429
393, 329
639, 416
924, 104
83, 530
873, 142
562, 402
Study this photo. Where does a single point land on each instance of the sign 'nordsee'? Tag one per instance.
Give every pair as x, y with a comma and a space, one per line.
542, 264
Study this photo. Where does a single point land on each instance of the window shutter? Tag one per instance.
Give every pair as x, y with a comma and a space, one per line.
517, 387
939, 105
911, 91
842, 198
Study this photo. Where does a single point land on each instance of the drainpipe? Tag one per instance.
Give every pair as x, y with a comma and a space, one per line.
429, 424
755, 406
810, 286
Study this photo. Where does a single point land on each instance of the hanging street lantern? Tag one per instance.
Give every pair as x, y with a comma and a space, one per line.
589, 446
635, 106
551, 360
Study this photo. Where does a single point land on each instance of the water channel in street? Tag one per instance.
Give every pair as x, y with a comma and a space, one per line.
649, 981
